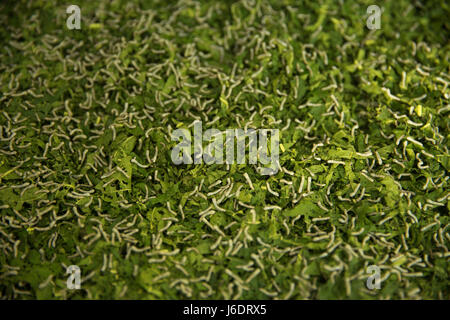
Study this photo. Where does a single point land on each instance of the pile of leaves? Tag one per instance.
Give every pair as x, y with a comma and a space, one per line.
86, 176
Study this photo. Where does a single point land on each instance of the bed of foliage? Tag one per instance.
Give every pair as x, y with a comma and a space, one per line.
86, 176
